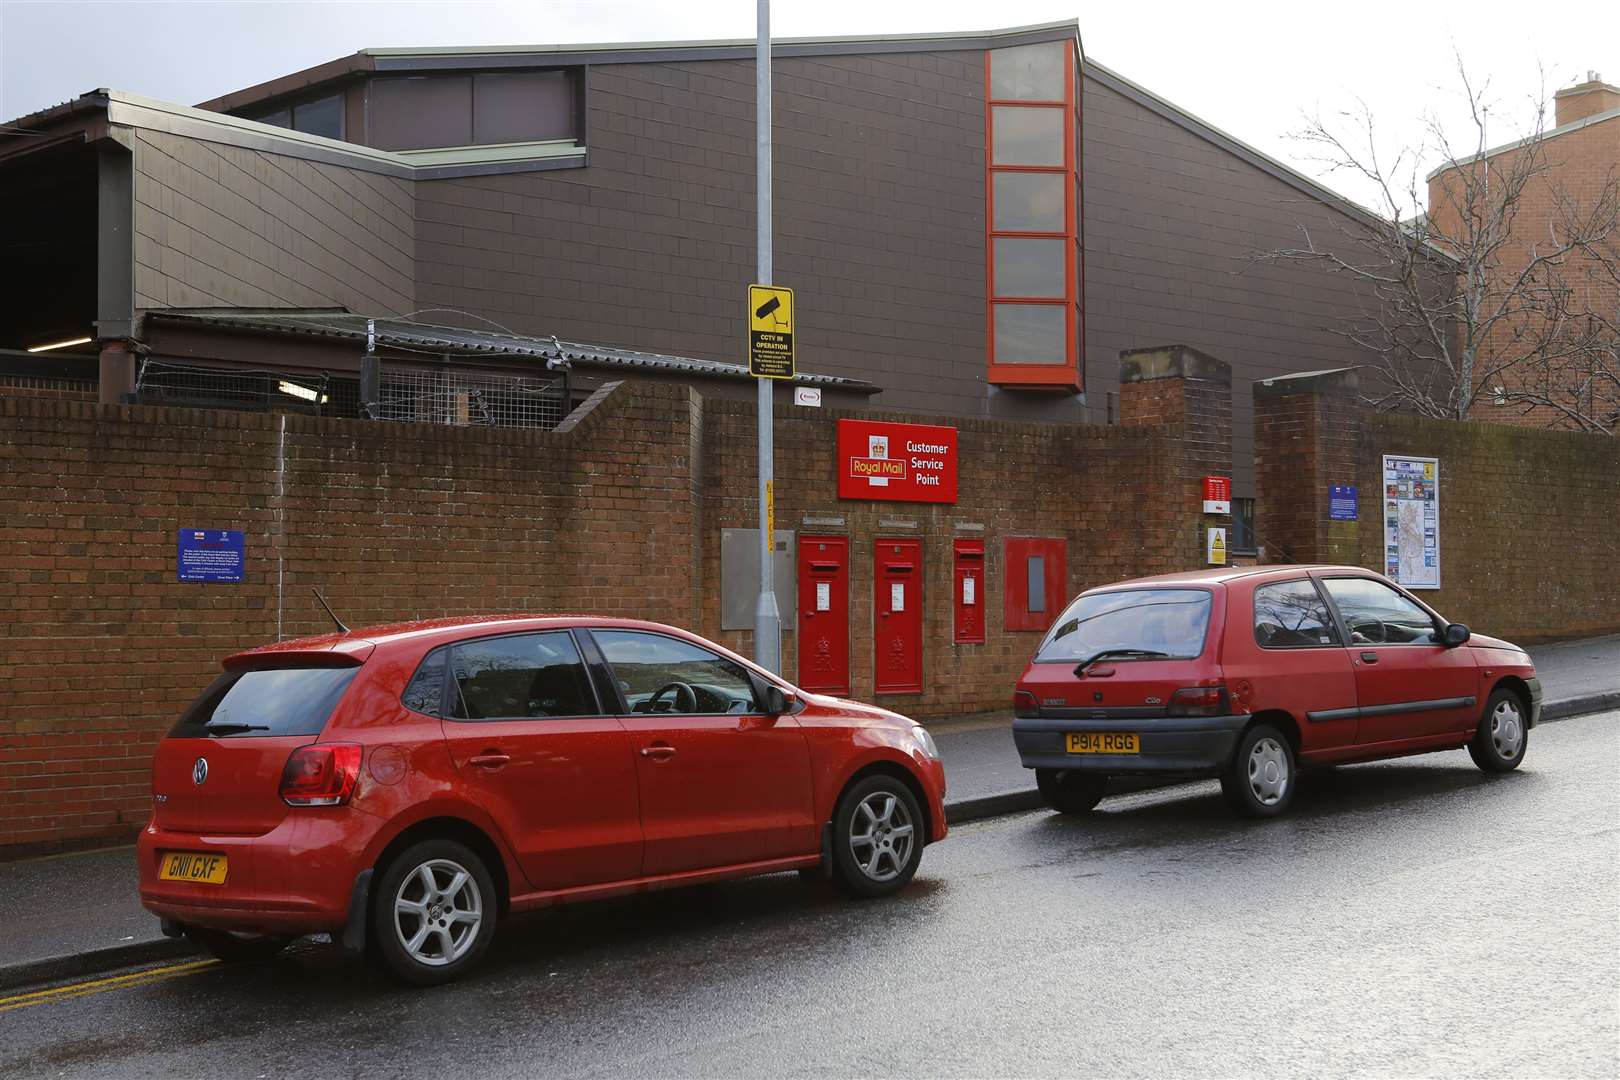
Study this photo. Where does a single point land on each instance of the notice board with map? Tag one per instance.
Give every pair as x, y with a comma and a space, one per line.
1412, 520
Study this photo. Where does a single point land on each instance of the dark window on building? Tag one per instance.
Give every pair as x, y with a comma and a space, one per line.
519, 677
322, 116
1291, 615
1242, 524
418, 112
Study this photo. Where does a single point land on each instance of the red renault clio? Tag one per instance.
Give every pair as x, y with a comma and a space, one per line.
405, 787
1247, 673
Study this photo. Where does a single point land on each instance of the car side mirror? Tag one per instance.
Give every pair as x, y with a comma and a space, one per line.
1455, 634
778, 701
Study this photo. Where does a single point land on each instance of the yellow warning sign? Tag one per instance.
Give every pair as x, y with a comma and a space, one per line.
1217, 547
770, 332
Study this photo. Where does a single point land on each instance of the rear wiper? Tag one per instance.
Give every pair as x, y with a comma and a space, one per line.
233, 729
1080, 668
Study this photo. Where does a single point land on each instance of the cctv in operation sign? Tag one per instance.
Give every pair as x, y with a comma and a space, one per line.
770, 332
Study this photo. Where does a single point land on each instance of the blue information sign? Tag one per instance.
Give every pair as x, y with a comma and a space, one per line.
209, 555
1342, 503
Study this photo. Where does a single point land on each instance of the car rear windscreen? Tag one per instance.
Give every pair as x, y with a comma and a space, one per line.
1169, 622
278, 701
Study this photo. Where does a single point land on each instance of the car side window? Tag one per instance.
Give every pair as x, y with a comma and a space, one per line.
1376, 614
425, 692
661, 674
1291, 615
519, 676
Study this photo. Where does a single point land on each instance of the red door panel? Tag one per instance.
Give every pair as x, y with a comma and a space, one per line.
722, 790
824, 614
1398, 677
566, 795
897, 617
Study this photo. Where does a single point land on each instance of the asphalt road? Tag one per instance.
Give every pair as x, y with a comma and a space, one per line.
1411, 918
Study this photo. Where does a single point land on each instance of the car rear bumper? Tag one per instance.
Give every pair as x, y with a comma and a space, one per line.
295, 879
1181, 744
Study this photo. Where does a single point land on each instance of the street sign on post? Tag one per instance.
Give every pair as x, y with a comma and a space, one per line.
770, 332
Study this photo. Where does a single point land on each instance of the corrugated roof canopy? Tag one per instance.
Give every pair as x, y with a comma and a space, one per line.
405, 334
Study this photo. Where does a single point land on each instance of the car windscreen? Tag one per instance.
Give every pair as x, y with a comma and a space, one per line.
1170, 623
275, 701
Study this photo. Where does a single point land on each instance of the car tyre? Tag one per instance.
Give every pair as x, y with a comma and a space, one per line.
878, 835
1070, 791
433, 913
233, 948
1260, 781
1503, 736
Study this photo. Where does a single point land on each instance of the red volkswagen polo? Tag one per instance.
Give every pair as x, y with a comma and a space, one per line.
405, 787
1249, 672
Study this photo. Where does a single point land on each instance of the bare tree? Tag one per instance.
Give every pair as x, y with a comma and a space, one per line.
1507, 290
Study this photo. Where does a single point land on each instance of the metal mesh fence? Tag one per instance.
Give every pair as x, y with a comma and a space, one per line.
420, 395
460, 397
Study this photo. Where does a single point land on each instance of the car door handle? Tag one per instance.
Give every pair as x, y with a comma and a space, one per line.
1369, 658
489, 759
658, 753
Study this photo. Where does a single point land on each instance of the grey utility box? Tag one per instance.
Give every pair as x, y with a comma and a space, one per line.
739, 578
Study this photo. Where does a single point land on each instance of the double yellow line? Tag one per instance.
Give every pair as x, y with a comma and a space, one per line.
101, 986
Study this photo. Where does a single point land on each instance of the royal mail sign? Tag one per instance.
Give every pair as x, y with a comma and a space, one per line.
896, 462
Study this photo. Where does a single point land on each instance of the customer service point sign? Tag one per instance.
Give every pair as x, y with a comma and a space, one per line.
896, 462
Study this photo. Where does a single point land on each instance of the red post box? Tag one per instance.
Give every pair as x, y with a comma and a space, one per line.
969, 592
824, 614
897, 617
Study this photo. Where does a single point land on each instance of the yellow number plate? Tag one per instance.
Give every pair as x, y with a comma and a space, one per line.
1103, 742
192, 866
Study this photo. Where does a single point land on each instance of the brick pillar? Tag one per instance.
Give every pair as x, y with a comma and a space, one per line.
117, 373
1307, 438
1178, 386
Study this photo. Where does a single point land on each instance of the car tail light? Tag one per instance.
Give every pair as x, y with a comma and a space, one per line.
321, 774
1024, 704
1200, 701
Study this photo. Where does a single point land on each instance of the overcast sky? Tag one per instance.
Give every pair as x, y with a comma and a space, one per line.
1252, 69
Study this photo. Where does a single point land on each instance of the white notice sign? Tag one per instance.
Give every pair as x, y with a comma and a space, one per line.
897, 596
823, 596
967, 591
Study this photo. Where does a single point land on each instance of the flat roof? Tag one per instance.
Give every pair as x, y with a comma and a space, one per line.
406, 335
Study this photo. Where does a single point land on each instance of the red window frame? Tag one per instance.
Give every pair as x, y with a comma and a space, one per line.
1068, 375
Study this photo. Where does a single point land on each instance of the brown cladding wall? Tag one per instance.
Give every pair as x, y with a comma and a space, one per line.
1171, 220
879, 221
618, 512
221, 226
1527, 539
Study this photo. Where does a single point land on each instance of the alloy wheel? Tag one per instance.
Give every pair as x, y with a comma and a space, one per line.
1268, 771
437, 912
881, 833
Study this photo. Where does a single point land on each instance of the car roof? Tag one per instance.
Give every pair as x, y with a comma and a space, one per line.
1222, 575
431, 631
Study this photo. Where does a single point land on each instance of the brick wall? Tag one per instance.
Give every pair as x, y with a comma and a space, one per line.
619, 511
1528, 547
102, 646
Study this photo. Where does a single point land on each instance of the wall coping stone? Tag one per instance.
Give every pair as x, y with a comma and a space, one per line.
1333, 382
1172, 362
